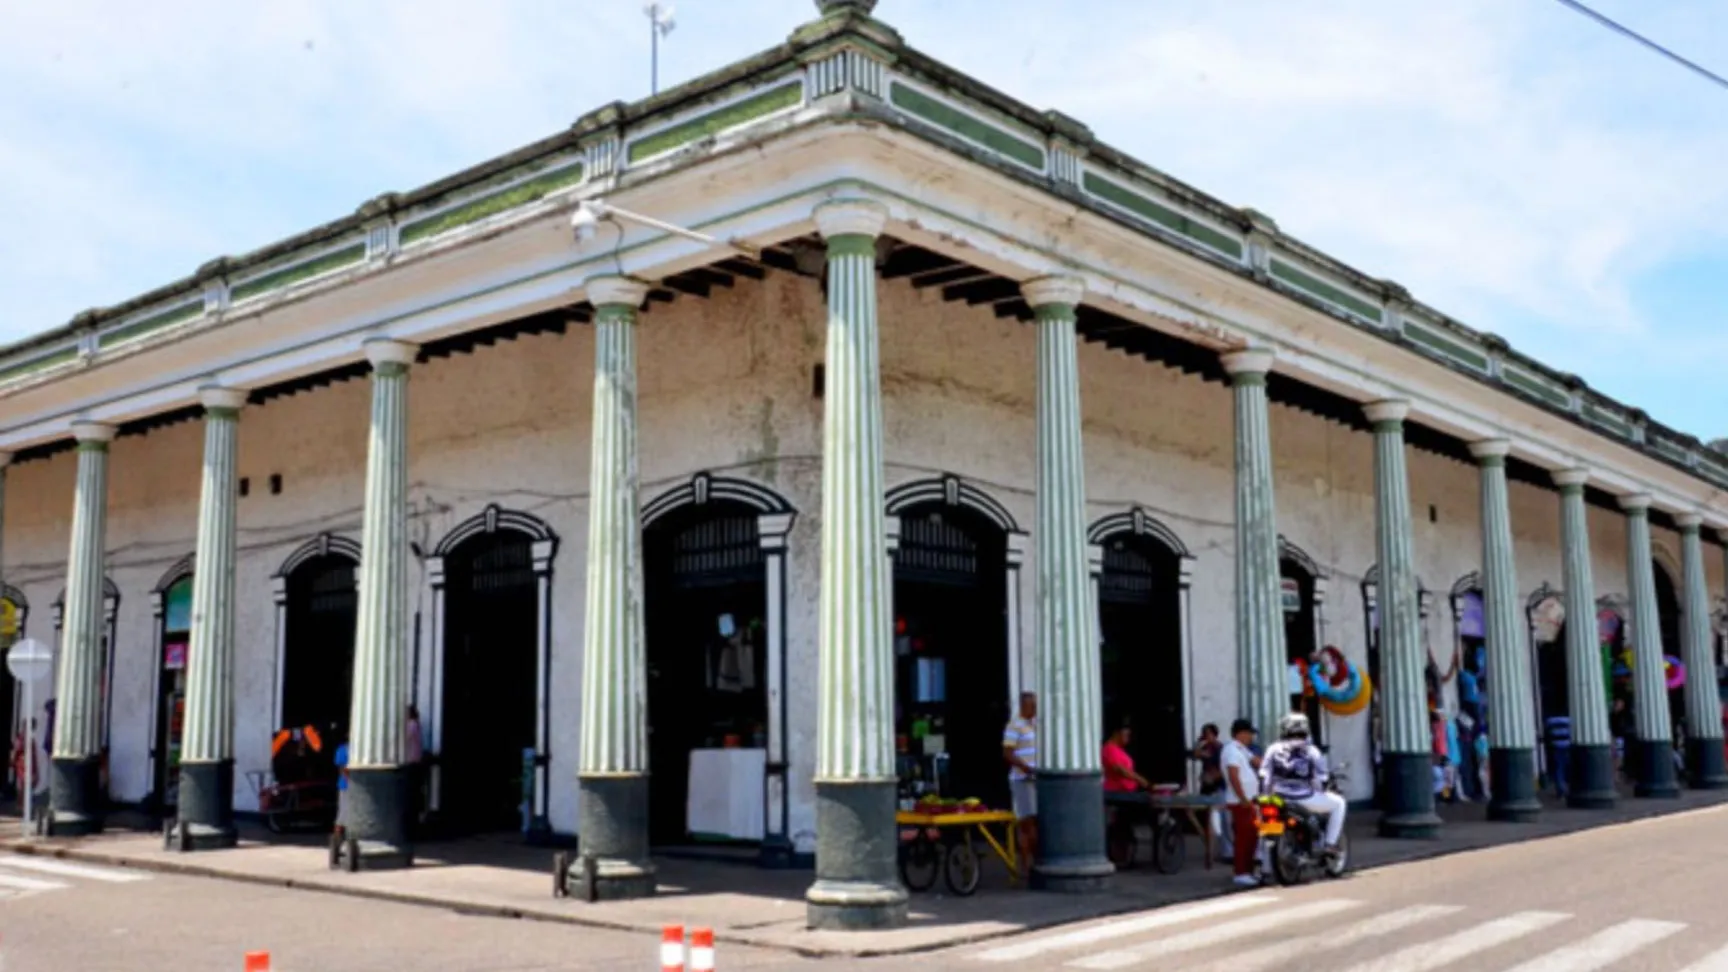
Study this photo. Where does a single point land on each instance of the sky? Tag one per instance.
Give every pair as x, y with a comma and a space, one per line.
1509, 162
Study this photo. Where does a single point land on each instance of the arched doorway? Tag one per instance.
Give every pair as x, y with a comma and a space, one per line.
1668, 616
491, 579
1299, 599
1143, 642
714, 554
1471, 719
110, 612
173, 610
317, 604
1546, 613
14, 613
952, 621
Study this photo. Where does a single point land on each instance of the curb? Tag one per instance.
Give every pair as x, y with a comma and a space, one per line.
1437, 849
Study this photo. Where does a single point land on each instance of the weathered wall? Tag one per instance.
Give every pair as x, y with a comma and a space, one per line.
725, 386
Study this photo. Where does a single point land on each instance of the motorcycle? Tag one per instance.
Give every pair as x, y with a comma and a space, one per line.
1293, 840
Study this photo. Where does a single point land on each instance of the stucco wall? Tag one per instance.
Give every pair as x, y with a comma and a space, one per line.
726, 387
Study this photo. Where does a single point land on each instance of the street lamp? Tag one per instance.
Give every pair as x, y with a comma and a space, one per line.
660, 23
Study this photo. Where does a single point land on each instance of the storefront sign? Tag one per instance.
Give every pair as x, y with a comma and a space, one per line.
174, 656
1290, 593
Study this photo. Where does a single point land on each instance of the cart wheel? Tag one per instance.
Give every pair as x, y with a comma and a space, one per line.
920, 862
1122, 843
962, 870
1169, 846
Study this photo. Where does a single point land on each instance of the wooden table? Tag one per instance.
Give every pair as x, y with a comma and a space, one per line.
1196, 808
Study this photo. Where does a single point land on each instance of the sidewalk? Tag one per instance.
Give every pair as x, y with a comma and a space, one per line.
746, 905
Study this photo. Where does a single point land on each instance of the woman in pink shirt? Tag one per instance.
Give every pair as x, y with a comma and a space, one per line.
1119, 775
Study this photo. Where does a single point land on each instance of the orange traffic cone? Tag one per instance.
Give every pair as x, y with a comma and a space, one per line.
257, 962
702, 950
671, 948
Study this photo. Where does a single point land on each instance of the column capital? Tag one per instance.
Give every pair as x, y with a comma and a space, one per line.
1635, 503
1688, 522
1575, 476
1387, 410
1486, 449
217, 397
1256, 361
850, 217
1057, 290
616, 290
100, 432
385, 351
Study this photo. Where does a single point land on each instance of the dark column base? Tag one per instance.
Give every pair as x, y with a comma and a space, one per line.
1512, 786
206, 810
1654, 764
76, 803
1071, 833
1590, 780
857, 858
376, 824
612, 829
1706, 765
1407, 800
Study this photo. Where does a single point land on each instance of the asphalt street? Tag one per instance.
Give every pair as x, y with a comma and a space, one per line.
1645, 896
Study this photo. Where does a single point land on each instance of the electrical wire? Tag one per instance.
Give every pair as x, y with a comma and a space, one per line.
1628, 32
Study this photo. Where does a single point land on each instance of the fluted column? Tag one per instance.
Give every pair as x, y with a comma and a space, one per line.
1590, 772
1511, 712
613, 772
1653, 750
1705, 767
378, 798
75, 797
1406, 767
1261, 663
1070, 781
206, 805
857, 875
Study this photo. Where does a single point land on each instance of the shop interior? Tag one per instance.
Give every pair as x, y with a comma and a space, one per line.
318, 651
1296, 598
1140, 622
170, 691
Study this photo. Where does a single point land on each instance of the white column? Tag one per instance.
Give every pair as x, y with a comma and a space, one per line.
1653, 751
1704, 756
1262, 665
1512, 723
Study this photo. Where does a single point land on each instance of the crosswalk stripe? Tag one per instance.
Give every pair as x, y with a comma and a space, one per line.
1445, 951
1604, 948
21, 883
1125, 927
66, 869
1272, 956
1213, 935
1714, 962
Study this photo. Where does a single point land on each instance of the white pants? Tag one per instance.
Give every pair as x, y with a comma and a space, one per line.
1332, 805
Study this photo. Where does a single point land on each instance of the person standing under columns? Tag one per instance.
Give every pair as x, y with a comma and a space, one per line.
1512, 756
1261, 663
1407, 777
377, 824
1704, 757
1070, 776
206, 806
75, 799
1652, 755
1590, 776
857, 872
613, 774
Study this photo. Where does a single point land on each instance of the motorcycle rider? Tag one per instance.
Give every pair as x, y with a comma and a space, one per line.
1295, 769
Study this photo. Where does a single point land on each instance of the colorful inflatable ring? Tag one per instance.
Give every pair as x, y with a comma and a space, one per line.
1676, 670
1356, 704
1337, 696
1334, 660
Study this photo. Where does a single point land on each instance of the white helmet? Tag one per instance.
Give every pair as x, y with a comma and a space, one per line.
1293, 726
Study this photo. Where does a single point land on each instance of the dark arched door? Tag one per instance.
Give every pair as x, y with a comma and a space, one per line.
491, 678
706, 615
1668, 613
318, 649
1140, 617
950, 651
1296, 599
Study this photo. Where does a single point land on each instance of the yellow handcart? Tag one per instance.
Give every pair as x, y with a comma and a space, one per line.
942, 844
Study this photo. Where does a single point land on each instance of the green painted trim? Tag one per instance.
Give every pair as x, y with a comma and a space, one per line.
1446, 347
92, 445
715, 122
1247, 379
1302, 280
1672, 450
615, 312
966, 126
1602, 418
219, 414
851, 244
520, 194
1164, 216
290, 275
155, 322
38, 364
1389, 427
389, 369
1531, 386
1057, 311
1491, 462
1574, 489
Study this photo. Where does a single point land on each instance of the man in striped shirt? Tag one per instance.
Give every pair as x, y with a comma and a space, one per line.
1020, 751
